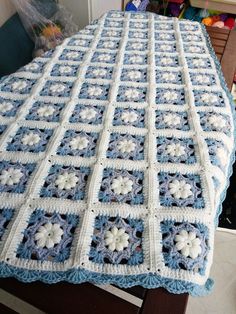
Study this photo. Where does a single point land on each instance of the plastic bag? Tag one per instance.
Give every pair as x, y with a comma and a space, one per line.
46, 22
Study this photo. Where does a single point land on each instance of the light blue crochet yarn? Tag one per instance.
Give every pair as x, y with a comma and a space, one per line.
54, 117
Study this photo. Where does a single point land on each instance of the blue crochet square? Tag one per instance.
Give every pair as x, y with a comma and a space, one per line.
175, 150
189, 48
113, 24
14, 176
185, 245
87, 114
105, 249
136, 46
72, 55
35, 67
9, 107
165, 47
191, 37
168, 77
131, 117
111, 33
205, 79
122, 186
138, 25
138, 15
104, 57
6, 215
170, 96
115, 14
108, 44
135, 59
124, 146
163, 26
45, 111
2, 128
79, 42
67, 182
198, 63
163, 36
165, 60
138, 34
187, 27
94, 91
206, 98
182, 190
48, 54
132, 94
17, 85
29, 140
172, 120
99, 73
64, 70
57, 89
134, 75
78, 143
48, 236
218, 153
215, 122
88, 31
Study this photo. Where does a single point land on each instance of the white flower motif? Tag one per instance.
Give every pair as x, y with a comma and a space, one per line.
180, 189
165, 47
194, 49
172, 119
129, 116
108, 44
10, 176
136, 59
99, 72
134, 75
88, 114
19, 85
80, 42
113, 24
48, 235
45, 111
122, 185
116, 239
57, 88
32, 67
198, 62
94, 91
166, 61
79, 142
126, 146
66, 181
188, 244
163, 26
168, 76
30, 139
65, 69
192, 38
137, 46
164, 36
170, 96
115, 15
203, 79
85, 31
5, 106
138, 35
72, 54
132, 93
112, 33
222, 156
209, 98
138, 25
217, 121
189, 27
138, 16
104, 57
175, 150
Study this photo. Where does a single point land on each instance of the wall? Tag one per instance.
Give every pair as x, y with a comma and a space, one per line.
6, 10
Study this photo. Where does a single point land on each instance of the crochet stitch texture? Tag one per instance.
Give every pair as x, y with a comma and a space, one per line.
116, 149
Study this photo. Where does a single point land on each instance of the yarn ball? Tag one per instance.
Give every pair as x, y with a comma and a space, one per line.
219, 24
230, 22
223, 16
215, 18
204, 13
207, 21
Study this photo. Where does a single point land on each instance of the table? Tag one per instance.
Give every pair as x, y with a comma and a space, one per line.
64, 298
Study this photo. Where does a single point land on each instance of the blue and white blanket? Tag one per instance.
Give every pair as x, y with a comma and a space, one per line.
116, 150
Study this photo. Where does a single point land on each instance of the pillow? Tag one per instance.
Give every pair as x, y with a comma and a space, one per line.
15, 46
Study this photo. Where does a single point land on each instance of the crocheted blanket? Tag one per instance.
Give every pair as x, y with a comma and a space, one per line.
116, 150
